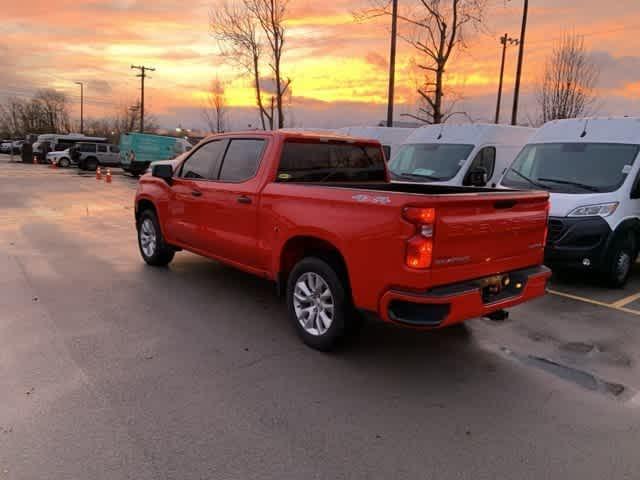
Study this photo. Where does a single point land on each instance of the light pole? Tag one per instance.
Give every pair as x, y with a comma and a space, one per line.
504, 40
516, 91
81, 106
392, 62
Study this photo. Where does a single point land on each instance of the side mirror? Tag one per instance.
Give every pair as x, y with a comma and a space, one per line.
163, 171
478, 177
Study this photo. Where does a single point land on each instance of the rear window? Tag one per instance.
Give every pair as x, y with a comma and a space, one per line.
87, 147
319, 162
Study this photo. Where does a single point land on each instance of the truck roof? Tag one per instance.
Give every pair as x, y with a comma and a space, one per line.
590, 130
472, 134
299, 134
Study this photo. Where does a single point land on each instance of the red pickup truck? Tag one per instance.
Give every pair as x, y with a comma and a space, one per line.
318, 216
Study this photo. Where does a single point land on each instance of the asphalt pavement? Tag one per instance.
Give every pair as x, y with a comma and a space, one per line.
110, 369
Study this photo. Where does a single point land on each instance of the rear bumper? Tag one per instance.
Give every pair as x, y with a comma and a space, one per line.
451, 304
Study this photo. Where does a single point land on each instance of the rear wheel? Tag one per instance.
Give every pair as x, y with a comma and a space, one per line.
153, 248
318, 304
91, 164
620, 263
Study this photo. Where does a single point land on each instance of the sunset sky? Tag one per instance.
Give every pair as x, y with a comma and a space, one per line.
338, 67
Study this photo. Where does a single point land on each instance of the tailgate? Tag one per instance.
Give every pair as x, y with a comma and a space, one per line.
489, 233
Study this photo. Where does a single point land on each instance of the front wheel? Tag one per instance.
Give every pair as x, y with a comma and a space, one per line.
153, 248
620, 263
318, 304
64, 162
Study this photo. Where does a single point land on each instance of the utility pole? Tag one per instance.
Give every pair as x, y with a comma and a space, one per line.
504, 41
81, 106
142, 75
516, 91
392, 62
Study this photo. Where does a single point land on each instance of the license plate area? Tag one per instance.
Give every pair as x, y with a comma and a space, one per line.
501, 287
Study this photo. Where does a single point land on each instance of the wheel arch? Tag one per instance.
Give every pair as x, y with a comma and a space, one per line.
301, 246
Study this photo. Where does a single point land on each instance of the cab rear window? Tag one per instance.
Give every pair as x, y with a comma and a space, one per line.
304, 161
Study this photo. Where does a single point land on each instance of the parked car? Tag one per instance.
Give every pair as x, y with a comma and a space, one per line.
591, 169
61, 159
5, 146
139, 150
90, 156
460, 155
17, 146
318, 216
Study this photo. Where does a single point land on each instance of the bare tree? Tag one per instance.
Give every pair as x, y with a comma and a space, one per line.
214, 110
436, 28
237, 33
567, 88
54, 108
271, 15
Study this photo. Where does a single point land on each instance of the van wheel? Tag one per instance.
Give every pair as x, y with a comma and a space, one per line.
91, 164
153, 248
319, 306
620, 263
64, 162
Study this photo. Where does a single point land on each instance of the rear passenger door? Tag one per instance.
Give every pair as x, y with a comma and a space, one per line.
235, 216
114, 155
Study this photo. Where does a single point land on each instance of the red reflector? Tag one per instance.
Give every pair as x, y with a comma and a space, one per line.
419, 252
419, 215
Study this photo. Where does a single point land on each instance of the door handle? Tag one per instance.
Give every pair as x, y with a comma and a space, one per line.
244, 199
196, 193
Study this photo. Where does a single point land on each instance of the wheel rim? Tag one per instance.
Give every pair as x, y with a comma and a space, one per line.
148, 237
64, 163
623, 264
313, 303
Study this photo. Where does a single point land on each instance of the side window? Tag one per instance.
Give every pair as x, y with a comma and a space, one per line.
486, 158
102, 149
115, 149
204, 163
242, 160
387, 152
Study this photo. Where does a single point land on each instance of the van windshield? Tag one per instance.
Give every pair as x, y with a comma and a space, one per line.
572, 167
430, 162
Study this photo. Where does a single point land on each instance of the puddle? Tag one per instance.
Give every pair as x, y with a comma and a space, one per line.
578, 377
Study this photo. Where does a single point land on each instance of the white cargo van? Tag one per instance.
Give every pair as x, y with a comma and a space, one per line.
474, 154
389, 137
591, 169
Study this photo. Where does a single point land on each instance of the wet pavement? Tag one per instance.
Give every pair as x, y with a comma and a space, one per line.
114, 370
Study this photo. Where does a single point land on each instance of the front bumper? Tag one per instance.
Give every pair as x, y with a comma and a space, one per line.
451, 304
571, 241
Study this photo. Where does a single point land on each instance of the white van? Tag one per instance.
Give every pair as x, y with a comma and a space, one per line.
460, 155
591, 169
389, 137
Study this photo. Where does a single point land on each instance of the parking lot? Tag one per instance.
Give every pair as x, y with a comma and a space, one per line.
112, 369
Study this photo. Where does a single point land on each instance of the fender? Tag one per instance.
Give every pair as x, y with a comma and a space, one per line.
623, 228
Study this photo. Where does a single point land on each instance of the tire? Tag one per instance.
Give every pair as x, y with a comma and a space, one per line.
620, 262
64, 162
152, 246
91, 164
319, 305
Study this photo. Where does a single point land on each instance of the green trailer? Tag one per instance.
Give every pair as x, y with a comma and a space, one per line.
139, 150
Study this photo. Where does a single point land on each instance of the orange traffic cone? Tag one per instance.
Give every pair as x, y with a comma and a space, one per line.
98, 174
54, 164
107, 177
35, 160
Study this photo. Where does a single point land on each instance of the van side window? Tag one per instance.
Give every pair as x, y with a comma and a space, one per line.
486, 158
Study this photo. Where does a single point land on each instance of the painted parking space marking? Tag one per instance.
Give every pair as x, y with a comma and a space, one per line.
618, 305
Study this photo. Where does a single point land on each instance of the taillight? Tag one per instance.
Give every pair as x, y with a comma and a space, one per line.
546, 225
420, 246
